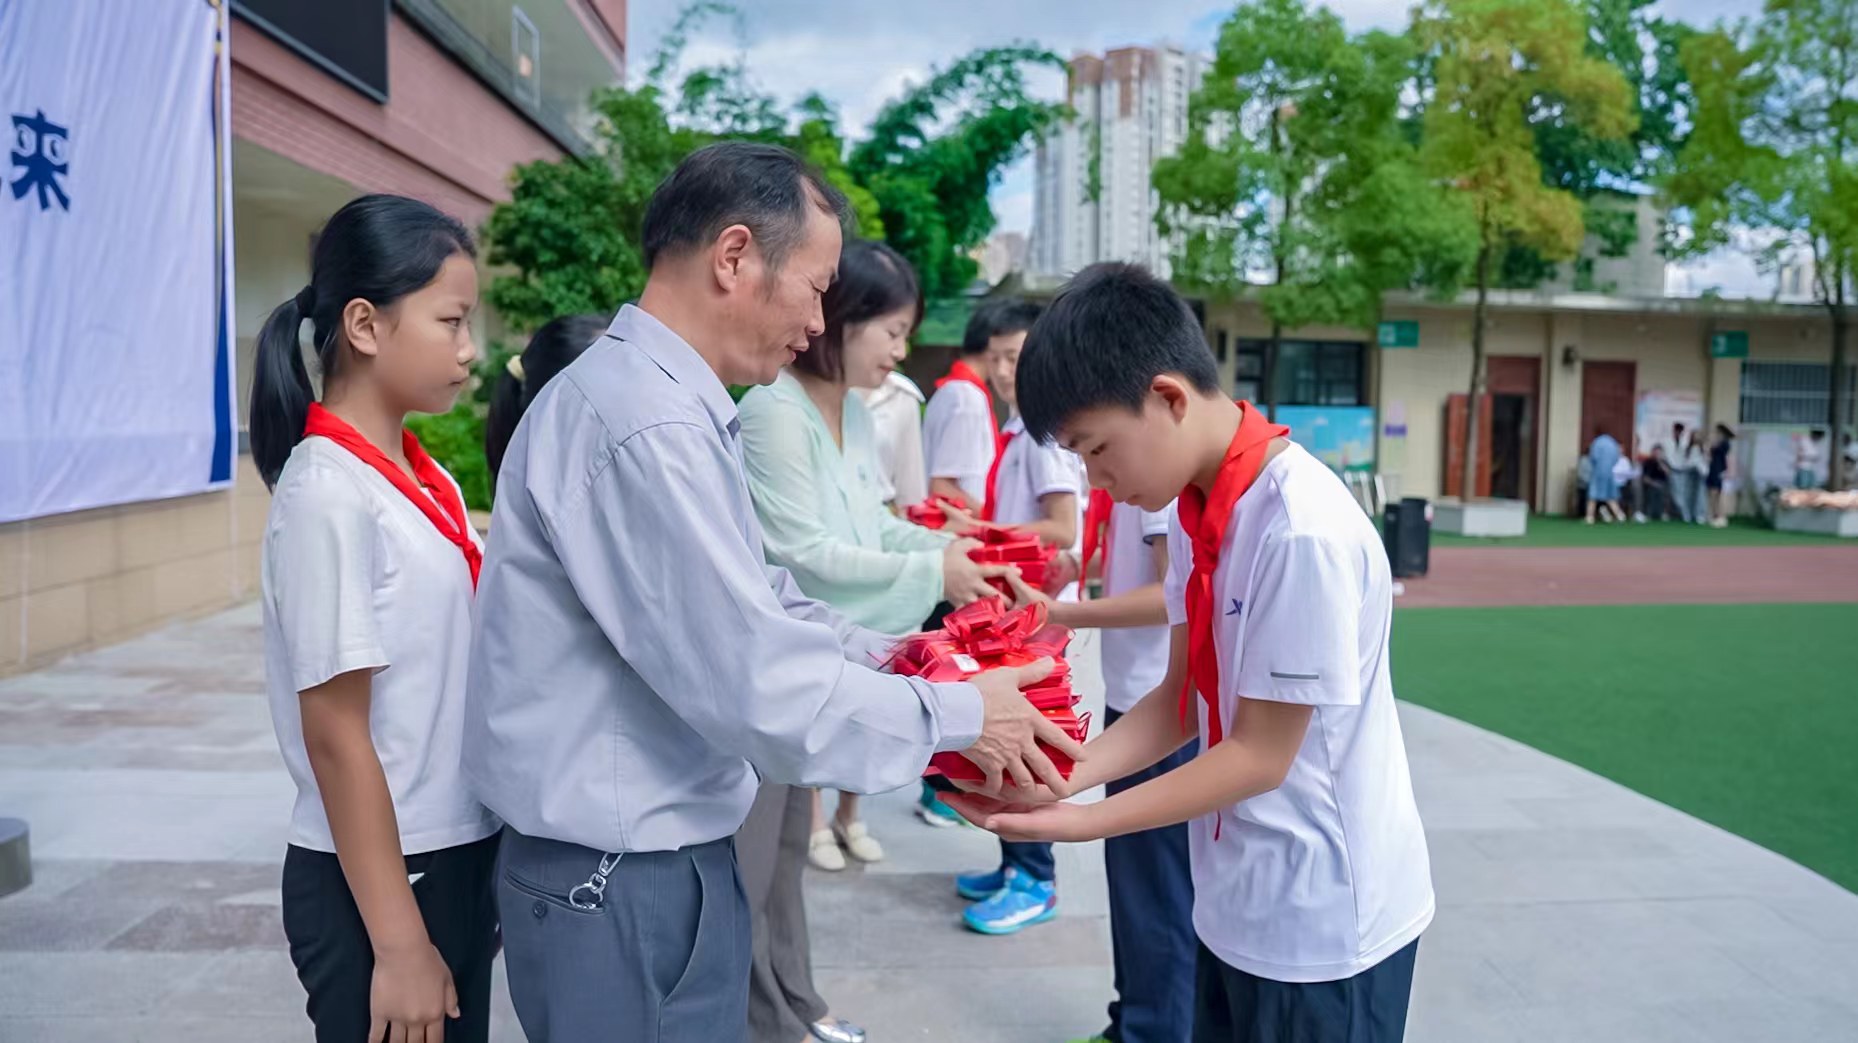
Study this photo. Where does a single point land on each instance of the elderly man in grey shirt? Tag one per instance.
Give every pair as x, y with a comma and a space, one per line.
638, 666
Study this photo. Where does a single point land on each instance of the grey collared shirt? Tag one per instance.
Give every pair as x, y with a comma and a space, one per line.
634, 652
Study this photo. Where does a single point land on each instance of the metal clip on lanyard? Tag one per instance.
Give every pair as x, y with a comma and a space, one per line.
595, 885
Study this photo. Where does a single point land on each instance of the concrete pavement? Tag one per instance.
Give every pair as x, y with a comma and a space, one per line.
1570, 908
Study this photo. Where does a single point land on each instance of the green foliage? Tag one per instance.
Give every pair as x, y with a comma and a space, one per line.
932, 155
1296, 164
568, 239
1773, 148
1503, 67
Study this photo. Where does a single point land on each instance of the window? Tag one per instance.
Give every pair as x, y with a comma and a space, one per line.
526, 55
1791, 392
1308, 372
1220, 352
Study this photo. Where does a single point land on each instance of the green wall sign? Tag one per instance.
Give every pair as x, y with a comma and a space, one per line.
1400, 334
1729, 344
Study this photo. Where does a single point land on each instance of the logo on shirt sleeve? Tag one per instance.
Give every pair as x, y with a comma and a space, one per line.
1237, 607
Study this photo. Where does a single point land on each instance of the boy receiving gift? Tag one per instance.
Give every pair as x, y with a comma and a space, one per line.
1311, 878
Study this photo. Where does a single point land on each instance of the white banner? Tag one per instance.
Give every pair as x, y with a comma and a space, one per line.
115, 254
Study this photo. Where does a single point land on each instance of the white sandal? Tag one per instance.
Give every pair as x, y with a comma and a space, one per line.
859, 841
822, 849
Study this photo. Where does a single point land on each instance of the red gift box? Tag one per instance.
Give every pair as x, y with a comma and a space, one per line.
985, 635
929, 513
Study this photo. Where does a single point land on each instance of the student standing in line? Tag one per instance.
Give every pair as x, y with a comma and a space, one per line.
558, 343
961, 440
368, 574
1038, 487
1150, 877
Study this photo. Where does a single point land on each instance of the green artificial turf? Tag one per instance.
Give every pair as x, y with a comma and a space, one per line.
1745, 716
1549, 530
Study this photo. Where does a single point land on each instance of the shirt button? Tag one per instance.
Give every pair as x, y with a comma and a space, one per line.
540, 910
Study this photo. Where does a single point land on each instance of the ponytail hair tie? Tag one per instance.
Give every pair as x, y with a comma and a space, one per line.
514, 367
306, 300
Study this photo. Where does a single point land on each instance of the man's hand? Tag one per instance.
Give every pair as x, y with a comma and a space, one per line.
1011, 729
1059, 823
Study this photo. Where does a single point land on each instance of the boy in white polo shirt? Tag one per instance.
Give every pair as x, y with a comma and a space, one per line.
1037, 487
1311, 878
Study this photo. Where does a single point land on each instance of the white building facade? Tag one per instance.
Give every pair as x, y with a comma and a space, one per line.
1092, 200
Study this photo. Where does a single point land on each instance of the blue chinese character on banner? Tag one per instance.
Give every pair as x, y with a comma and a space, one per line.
39, 149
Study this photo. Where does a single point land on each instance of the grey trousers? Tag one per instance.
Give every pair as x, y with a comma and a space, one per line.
782, 1002
663, 959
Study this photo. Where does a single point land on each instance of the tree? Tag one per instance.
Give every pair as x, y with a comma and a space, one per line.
1599, 170
933, 154
1295, 168
1775, 147
570, 232
1499, 67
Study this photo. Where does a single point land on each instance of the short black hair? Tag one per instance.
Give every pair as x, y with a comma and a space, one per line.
766, 187
997, 318
874, 280
1107, 335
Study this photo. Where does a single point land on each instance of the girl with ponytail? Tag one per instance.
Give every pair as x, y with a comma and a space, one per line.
556, 344
369, 572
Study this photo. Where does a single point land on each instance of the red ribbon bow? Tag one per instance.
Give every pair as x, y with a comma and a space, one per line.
985, 635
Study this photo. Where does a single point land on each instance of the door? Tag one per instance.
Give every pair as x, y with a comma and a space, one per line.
1515, 381
1608, 400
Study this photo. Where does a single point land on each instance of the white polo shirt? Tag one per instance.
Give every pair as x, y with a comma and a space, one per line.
355, 577
1028, 471
958, 437
1327, 875
1135, 659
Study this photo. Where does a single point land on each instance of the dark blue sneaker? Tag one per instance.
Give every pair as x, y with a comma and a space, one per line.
1024, 901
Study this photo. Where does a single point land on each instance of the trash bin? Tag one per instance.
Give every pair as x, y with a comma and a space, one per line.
1406, 528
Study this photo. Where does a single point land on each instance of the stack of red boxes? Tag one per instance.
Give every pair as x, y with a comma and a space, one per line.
985, 635
1000, 544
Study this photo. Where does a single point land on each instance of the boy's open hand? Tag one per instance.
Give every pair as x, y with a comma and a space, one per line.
1058, 822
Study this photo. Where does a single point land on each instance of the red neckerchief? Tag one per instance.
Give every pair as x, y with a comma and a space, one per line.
447, 514
1204, 519
991, 503
1096, 534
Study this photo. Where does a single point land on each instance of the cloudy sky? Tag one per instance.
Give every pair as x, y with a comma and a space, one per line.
860, 53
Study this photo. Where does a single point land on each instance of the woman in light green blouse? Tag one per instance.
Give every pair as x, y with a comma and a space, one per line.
820, 491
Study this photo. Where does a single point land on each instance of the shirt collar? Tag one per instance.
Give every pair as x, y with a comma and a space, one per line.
1014, 425
679, 361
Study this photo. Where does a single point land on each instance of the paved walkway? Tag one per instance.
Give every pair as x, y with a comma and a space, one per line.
1570, 909
1490, 576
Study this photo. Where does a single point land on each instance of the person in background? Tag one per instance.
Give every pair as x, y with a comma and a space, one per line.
961, 433
1674, 449
1149, 871
896, 408
368, 572
810, 452
1718, 479
1603, 482
1037, 487
1695, 467
961, 440
1808, 452
1851, 462
1626, 476
1655, 485
558, 343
